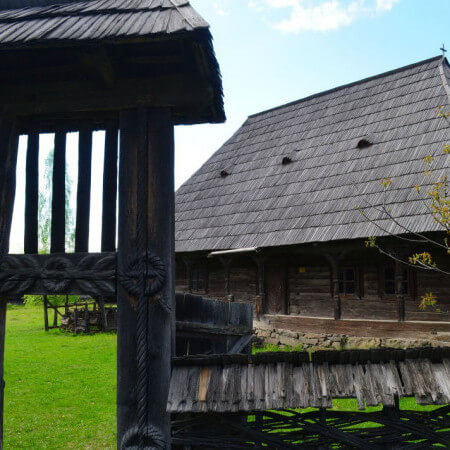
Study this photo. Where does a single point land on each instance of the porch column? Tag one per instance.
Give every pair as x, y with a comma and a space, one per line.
226, 262
188, 264
399, 291
260, 261
334, 264
8, 157
145, 290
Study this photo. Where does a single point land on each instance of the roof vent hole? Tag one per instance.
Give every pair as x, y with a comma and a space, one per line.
286, 160
224, 173
364, 143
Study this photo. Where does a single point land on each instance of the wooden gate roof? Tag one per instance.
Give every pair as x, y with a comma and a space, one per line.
39, 20
270, 381
295, 174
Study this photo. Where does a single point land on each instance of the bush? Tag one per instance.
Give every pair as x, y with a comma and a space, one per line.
35, 300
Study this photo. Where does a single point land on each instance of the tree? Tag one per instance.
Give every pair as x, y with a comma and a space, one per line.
434, 195
45, 209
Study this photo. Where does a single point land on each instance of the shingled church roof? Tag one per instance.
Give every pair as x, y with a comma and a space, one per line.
296, 173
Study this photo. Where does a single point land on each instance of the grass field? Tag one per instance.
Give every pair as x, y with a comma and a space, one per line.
60, 388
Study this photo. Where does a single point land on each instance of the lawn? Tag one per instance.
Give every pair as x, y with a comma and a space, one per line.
60, 388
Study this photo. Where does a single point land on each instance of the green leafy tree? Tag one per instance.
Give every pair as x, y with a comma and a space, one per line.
434, 194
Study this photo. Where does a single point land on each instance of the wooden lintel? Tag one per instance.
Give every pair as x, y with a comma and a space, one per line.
84, 96
74, 273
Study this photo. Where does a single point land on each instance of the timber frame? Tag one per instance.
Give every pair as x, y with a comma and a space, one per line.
135, 87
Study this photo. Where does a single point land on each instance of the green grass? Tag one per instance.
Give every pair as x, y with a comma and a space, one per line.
60, 388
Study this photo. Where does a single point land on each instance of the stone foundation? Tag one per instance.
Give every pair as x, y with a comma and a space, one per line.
265, 334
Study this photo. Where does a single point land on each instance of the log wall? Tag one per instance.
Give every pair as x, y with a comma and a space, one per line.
309, 287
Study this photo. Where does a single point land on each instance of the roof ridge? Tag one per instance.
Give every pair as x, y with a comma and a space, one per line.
444, 76
354, 83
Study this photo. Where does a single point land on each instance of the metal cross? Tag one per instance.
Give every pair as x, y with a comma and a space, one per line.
443, 49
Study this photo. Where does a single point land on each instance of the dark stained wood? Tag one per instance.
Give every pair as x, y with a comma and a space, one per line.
334, 264
276, 286
110, 190
70, 273
58, 225
32, 195
8, 158
83, 190
398, 291
146, 151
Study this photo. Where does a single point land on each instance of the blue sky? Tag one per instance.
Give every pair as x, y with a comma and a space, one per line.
275, 51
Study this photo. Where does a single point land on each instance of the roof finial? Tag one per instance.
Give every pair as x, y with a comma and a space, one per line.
443, 50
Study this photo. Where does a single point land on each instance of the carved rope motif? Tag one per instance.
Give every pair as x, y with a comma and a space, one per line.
20, 274
154, 277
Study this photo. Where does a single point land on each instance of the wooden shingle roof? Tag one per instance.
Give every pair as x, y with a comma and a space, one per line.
27, 21
267, 200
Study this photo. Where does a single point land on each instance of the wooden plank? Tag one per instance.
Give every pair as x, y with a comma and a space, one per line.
70, 273
83, 190
8, 160
110, 190
58, 226
146, 316
32, 195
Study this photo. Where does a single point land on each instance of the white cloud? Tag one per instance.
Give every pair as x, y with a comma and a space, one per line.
321, 15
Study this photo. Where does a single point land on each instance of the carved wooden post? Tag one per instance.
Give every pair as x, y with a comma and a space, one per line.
261, 284
399, 291
226, 262
188, 264
8, 159
334, 264
146, 300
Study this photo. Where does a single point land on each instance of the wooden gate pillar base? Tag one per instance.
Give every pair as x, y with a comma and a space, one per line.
145, 291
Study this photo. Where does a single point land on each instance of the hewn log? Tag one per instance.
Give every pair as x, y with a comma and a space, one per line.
8, 158
145, 290
334, 264
72, 273
83, 190
109, 191
58, 227
32, 194
399, 291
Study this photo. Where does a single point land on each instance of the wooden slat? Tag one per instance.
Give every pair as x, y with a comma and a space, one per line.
58, 226
32, 195
73, 273
110, 191
83, 190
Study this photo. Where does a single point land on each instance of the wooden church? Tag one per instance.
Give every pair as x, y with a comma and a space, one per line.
274, 216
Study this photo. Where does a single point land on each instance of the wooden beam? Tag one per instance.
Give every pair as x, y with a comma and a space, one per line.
69, 273
146, 309
8, 162
110, 190
58, 225
334, 265
83, 190
260, 261
32, 195
399, 267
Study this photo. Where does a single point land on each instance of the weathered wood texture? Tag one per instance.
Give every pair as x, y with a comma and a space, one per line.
290, 429
359, 327
32, 194
8, 158
279, 381
208, 326
58, 227
70, 273
110, 190
146, 316
83, 190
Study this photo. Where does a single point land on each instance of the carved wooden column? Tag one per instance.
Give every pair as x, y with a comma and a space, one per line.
399, 291
226, 262
334, 264
8, 162
146, 299
260, 261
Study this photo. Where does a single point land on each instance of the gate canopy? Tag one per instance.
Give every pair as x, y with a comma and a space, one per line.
70, 58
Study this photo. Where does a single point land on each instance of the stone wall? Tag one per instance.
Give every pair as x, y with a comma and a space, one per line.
265, 334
